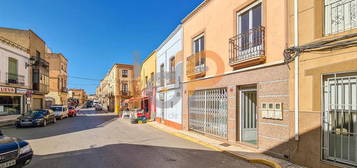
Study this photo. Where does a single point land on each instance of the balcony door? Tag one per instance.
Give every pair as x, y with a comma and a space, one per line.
249, 31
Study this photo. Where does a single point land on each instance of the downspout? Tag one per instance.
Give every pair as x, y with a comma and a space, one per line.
296, 70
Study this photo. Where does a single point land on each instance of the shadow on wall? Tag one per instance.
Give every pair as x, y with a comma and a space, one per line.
65, 126
139, 156
307, 151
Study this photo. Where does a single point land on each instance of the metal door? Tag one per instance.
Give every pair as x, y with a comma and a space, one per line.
340, 118
248, 115
208, 112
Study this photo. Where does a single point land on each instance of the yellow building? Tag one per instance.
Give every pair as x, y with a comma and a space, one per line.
116, 86
78, 95
323, 83
148, 85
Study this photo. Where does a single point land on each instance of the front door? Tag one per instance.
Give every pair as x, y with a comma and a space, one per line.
248, 115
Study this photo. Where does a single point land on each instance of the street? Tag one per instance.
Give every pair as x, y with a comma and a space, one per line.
101, 140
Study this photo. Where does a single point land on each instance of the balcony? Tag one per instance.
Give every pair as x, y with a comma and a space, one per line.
15, 79
247, 49
196, 65
40, 62
40, 88
172, 78
125, 93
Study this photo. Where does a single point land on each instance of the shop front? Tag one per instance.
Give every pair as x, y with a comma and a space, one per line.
12, 101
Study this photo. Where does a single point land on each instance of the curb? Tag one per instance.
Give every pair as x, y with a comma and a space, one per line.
251, 160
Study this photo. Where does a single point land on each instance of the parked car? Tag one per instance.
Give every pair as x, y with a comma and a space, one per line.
72, 112
98, 107
14, 152
36, 118
61, 112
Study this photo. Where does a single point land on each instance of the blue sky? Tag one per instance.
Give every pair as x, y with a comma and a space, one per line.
95, 34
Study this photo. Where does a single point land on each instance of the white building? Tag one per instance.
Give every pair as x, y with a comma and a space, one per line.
169, 84
14, 78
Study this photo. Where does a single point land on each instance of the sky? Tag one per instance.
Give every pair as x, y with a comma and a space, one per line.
95, 34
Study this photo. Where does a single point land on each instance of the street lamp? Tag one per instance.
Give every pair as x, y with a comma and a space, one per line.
31, 62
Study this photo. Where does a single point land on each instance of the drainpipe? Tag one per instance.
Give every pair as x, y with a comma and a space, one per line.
296, 70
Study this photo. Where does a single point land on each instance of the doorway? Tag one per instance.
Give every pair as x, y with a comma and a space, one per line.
248, 115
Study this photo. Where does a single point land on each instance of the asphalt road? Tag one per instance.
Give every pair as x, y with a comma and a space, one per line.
100, 140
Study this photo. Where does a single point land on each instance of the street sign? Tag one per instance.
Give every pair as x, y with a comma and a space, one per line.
21, 91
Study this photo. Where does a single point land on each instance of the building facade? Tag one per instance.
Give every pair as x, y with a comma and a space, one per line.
14, 78
39, 67
76, 96
116, 86
58, 91
236, 85
148, 85
169, 84
323, 82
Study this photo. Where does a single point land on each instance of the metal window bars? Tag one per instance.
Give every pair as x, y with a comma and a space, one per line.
247, 46
208, 112
15, 79
340, 16
340, 118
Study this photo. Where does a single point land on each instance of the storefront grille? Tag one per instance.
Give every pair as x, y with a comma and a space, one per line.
208, 112
340, 118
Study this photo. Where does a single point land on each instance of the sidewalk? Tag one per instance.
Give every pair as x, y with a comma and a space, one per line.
8, 120
240, 152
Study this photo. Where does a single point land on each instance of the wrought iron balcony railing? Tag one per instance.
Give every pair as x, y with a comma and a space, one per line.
196, 64
172, 78
40, 62
125, 93
247, 46
15, 79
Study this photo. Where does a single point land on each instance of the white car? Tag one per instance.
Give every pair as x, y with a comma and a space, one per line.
61, 112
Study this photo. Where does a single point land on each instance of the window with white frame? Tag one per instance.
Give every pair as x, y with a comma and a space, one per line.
250, 33
340, 16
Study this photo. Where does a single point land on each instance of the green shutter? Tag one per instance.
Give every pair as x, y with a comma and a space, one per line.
12, 69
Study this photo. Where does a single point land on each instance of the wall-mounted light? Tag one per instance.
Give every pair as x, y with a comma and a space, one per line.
30, 63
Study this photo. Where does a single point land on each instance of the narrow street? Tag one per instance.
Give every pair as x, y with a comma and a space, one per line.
95, 140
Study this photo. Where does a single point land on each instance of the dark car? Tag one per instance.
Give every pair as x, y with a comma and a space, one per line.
36, 118
14, 152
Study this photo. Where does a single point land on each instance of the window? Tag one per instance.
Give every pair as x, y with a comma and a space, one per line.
38, 54
146, 80
198, 48
162, 74
340, 118
198, 44
124, 73
36, 79
249, 21
340, 15
172, 70
12, 71
152, 77
125, 88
